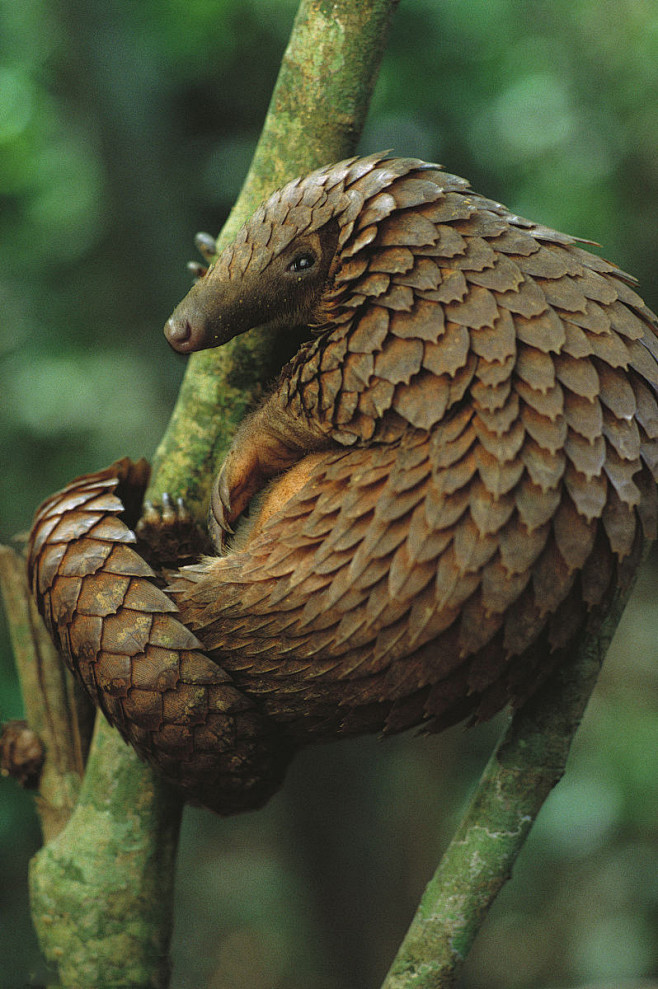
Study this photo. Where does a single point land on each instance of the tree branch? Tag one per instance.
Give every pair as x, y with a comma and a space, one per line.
102, 891
55, 709
528, 762
115, 859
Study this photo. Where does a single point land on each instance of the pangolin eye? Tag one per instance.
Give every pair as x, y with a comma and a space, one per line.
302, 262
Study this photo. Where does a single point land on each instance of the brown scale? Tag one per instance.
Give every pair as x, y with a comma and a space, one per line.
459, 467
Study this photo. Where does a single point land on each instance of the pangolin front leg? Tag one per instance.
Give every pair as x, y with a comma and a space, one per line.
269, 442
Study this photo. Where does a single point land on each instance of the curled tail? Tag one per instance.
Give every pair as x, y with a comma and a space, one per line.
120, 635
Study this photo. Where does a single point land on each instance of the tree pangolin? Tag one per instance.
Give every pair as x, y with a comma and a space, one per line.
465, 464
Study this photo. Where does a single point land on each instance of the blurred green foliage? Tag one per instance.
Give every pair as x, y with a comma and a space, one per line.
126, 127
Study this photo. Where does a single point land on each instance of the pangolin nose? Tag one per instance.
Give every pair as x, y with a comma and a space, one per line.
178, 333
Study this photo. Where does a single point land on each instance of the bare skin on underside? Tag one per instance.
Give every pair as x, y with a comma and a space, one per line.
272, 499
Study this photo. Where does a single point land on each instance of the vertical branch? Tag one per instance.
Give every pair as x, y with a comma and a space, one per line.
59, 713
102, 890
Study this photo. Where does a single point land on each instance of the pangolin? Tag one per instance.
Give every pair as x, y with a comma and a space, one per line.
459, 466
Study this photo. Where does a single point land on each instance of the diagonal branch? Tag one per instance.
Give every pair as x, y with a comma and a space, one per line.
528, 762
120, 844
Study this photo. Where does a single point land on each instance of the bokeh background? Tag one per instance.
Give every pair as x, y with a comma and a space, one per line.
124, 129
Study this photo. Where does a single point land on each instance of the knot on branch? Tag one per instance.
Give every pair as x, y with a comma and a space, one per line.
22, 753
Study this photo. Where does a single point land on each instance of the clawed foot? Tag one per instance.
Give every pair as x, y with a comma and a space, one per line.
238, 480
168, 534
207, 248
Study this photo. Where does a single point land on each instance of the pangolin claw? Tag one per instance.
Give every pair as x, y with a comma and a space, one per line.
168, 533
207, 248
205, 245
221, 501
197, 270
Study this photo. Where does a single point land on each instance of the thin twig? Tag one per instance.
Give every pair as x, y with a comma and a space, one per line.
59, 713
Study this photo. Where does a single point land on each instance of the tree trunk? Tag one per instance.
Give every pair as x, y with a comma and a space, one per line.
115, 859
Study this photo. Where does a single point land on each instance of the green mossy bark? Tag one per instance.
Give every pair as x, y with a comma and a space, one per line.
102, 891
55, 709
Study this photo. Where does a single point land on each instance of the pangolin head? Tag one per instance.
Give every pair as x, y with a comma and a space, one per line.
281, 268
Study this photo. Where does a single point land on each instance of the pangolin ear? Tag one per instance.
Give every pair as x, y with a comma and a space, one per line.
328, 240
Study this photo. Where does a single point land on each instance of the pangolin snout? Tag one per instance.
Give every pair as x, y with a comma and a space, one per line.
187, 333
